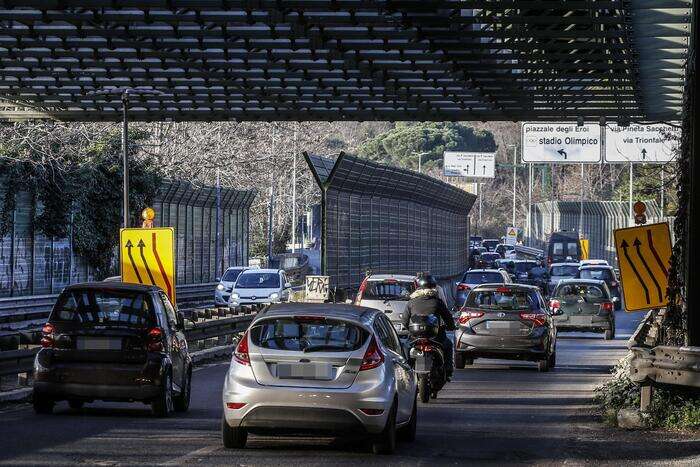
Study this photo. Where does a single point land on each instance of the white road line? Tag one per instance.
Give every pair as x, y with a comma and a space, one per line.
193, 455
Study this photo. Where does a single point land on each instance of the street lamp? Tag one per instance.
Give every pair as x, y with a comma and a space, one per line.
420, 160
515, 148
124, 94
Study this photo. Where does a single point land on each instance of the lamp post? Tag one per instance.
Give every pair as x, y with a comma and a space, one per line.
420, 160
515, 174
124, 94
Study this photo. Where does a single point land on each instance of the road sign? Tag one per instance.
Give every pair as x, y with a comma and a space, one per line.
655, 143
511, 236
644, 256
561, 142
585, 248
469, 164
148, 257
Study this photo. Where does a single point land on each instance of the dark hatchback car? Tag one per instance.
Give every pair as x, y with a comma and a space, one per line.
607, 274
583, 305
487, 260
506, 322
114, 342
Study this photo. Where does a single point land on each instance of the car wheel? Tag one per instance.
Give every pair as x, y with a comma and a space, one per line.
609, 335
408, 432
424, 389
459, 360
182, 400
386, 441
234, 438
552, 360
42, 404
163, 404
543, 366
75, 404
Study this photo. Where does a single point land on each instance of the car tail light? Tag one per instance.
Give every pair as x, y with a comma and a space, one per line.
372, 411
466, 315
554, 304
373, 356
503, 290
154, 340
241, 354
235, 405
463, 287
47, 339
606, 307
538, 319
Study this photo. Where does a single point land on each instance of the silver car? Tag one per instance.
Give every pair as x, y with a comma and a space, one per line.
304, 368
260, 287
225, 285
389, 293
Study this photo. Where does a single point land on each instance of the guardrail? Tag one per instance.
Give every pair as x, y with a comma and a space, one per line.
654, 364
14, 362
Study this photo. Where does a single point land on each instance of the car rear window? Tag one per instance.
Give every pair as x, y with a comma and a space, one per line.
588, 292
258, 280
481, 277
307, 334
598, 274
231, 275
104, 307
388, 290
502, 300
570, 271
524, 267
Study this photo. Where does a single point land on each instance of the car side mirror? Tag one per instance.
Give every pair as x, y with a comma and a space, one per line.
217, 279
180, 321
615, 299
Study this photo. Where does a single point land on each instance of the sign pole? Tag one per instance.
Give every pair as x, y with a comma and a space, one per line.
515, 149
551, 210
479, 188
529, 202
631, 214
663, 189
217, 256
125, 159
580, 214
294, 194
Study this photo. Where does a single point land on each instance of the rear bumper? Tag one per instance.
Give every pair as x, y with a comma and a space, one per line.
583, 324
277, 420
60, 391
506, 347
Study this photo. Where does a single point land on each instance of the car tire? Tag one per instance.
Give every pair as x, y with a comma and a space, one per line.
42, 404
181, 402
460, 360
552, 360
424, 389
233, 438
609, 335
385, 443
543, 366
163, 404
408, 432
75, 404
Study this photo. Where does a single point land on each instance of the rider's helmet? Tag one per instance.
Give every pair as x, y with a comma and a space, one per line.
426, 281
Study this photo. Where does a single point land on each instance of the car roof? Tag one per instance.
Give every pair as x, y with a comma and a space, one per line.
358, 314
237, 267
566, 263
485, 270
595, 266
582, 281
510, 286
112, 285
383, 277
268, 271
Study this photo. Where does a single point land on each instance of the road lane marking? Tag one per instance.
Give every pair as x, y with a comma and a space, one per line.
202, 452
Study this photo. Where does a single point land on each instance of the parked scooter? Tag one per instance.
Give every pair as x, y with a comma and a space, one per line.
427, 355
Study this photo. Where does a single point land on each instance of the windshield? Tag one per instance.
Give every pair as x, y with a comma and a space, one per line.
589, 293
104, 307
565, 271
388, 290
490, 243
258, 280
308, 334
524, 267
598, 274
490, 256
482, 278
231, 275
565, 249
502, 300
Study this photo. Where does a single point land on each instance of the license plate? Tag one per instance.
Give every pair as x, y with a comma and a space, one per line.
304, 371
99, 343
497, 324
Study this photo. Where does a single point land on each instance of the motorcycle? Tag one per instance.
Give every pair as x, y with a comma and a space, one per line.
427, 355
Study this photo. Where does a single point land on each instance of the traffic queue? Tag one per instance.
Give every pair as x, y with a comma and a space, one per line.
354, 368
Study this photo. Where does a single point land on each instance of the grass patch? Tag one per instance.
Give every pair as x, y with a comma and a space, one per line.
671, 408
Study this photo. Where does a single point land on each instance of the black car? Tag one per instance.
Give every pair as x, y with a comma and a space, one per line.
563, 247
114, 342
487, 260
607, 274
583, 305
490, 244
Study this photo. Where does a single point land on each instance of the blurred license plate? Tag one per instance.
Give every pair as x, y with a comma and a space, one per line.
497, 324
99, 343
304, 371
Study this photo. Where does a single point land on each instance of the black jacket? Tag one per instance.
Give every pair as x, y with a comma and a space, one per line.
425, 302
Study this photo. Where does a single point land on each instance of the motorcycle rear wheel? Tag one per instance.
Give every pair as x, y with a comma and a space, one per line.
424, 389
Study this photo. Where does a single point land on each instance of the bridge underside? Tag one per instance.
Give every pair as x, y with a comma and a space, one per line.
344, 59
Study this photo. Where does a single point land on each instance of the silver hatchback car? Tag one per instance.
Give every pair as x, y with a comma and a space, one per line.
330, 369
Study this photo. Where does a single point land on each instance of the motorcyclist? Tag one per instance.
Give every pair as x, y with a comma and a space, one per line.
426, 301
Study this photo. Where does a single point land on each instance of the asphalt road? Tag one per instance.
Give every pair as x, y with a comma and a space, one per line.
494, 412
